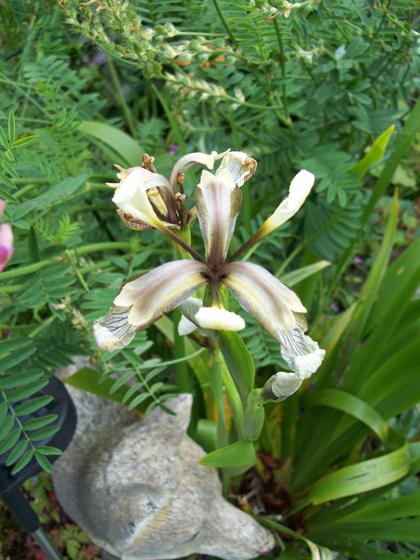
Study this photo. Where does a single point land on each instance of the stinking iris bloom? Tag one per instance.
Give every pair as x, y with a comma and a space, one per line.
218, 199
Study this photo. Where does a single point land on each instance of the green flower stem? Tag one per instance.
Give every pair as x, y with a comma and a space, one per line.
231, 389
224, 22
282, 66
288, 431
127, 113
181, 368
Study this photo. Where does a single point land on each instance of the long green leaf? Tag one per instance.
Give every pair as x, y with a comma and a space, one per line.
354, 548
352, 405
373, 281
119, 141
411, 126
236, 455
296, 276
317, 552
364, 476
375, 154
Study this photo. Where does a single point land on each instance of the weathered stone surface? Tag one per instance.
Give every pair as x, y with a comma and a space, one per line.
136, 487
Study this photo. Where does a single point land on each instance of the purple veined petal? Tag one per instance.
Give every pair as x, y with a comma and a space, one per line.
189, 160
272, 303
301, 353
114, 332
218, 202
161, 290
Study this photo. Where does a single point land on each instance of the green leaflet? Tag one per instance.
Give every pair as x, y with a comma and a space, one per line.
58, 193
354, 406
127, 148
364, 476
375, 154
88, 380
238, 454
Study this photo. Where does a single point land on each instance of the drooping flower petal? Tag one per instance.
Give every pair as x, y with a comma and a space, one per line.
239, 165
6, 245
272, 303
113, 331
301, 353
131, 196
189, 160
161, 290
219, 319
218, 202
299, 189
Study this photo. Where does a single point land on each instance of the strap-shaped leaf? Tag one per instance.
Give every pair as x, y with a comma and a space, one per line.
317, 552
127, 148
354, 406
374, 155
364, 476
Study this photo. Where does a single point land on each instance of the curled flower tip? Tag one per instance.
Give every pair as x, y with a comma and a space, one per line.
280, 386
219, 319
239, 165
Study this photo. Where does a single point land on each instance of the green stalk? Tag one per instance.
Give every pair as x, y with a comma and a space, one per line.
21, 271
288, 431
283, 66
127, 113
181, 368
231, 389
224, 22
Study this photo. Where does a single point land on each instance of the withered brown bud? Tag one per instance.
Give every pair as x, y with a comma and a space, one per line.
147, 163
251, 165
181, 179
131, 222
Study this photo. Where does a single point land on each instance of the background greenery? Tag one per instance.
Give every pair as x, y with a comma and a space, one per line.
97, 83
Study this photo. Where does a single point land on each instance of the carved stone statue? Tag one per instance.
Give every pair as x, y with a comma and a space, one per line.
136, 487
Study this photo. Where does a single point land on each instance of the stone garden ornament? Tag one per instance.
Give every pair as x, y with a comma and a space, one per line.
136, 487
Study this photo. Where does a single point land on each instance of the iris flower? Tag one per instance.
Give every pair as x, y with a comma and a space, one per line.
218, 199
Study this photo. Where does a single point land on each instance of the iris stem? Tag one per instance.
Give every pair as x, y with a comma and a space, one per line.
180, 242
247, 245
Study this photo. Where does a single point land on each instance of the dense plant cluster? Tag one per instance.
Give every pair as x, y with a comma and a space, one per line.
330, 87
